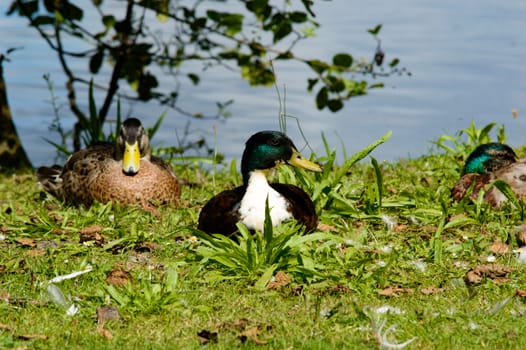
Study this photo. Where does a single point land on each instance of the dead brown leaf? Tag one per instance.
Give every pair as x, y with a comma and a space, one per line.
148, 247
60, 231
521, 236
394, 291
240, 323
392, 189
32, 336
91, 229
206, 336
96, 238
336, 289
520, 293
252, 334
119, 278
34, 252
280, 280
28, 242
326, 227
499, 248
51, 206
5, 327
431, 290
107, 313
494, 271
92, 234
400, 227
104, 333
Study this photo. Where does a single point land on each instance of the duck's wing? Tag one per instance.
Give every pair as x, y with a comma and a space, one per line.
467, 181
163, 165
515, 176
221, 213
300, 204
82, 170
51, 180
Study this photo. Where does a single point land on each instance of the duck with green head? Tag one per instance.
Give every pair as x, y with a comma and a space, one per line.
487, 163
124, 172
246, 204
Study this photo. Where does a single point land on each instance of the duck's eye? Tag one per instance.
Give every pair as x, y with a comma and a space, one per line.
522, 177
273, 142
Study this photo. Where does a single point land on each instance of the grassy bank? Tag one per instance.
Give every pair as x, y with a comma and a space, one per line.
394, 260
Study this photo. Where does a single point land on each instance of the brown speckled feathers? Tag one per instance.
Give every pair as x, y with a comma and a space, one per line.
94, 173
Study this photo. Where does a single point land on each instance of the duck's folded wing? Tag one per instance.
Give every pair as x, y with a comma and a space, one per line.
221, 213
300, 203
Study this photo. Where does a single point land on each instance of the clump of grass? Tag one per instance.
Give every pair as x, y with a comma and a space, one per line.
257, 256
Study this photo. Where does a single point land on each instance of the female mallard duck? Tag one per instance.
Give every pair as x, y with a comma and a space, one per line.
489, 162
264, 150
124, 172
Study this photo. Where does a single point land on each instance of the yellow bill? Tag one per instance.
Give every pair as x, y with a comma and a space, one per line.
131, 161
300, 161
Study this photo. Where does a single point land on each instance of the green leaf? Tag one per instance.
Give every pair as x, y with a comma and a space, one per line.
459, 221
108, 21
298, 17
342, 60
282, 30
267, 226
322, 98
96, 61
194, 78
43, 20
262, 282
394, 63
311, 83
260, 8
308, 4
70, 11
359, 156
335, 105
377, 85
318, 66
379, 181
375, 30
232, 22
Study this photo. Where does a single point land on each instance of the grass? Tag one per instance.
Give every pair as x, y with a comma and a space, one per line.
386, 268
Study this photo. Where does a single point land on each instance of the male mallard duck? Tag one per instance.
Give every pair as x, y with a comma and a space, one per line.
264, 150
124, 172
489, 162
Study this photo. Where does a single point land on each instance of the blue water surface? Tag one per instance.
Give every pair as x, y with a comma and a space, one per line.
466, 60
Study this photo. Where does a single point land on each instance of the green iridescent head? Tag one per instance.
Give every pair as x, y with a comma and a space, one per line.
489, 157
266, 149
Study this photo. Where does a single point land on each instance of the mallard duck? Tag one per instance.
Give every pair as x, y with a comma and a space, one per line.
124, 172
489, 162
264, 150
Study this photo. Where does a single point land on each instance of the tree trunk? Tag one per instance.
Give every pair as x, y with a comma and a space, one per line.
12, 154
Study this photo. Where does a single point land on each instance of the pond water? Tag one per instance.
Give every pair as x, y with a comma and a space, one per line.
466, 60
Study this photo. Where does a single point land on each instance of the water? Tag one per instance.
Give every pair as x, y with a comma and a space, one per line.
466, 60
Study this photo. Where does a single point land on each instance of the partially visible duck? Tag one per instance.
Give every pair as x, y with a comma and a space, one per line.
487, 163
264, 150
124, 172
